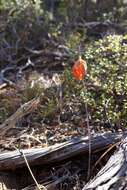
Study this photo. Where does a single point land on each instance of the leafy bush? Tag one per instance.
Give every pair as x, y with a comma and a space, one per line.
106, 82
107, 71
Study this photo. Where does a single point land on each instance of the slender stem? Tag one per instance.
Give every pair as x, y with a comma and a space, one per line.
28, 166
89, 135
79, 51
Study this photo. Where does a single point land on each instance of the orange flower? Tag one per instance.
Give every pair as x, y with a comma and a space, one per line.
79, 69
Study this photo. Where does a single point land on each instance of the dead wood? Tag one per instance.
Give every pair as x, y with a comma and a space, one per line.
19, 70
21, 112
4, 85
51, 185
100, 29
56, 153
114, 174
49, 53
3, 79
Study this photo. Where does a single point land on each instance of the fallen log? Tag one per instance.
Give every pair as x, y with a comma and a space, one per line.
21, 112
59, 152
114, 174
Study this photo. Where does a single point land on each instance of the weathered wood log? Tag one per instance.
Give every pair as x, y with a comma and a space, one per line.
56, 153
21, 112
114, 174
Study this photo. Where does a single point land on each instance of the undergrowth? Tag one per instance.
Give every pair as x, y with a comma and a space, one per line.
105, 88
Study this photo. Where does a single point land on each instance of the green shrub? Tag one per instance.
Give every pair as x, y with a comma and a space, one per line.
105, 88
107, 72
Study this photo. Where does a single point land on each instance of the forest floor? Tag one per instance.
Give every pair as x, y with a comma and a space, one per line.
35, 69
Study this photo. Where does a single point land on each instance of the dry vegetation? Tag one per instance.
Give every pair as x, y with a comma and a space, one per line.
38, 46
